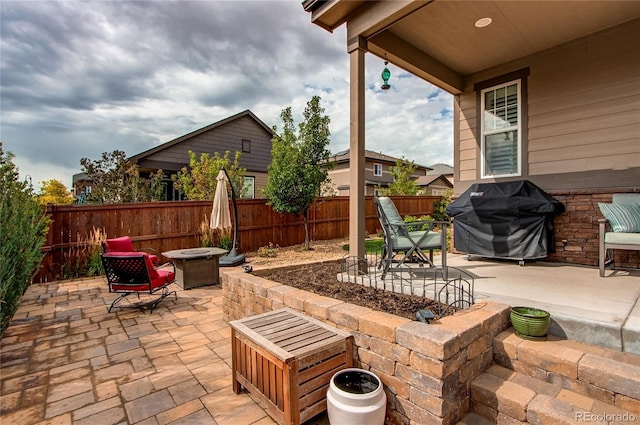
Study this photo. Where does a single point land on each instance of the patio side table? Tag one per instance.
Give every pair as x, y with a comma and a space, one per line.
196, 266
286, 360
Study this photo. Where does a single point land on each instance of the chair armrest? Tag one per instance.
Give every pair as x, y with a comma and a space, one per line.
149, 250
419, 224
167, 264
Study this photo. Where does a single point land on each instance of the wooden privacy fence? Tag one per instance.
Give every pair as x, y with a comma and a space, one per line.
164, 226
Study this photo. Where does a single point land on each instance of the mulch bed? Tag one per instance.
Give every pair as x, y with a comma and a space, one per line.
321, 279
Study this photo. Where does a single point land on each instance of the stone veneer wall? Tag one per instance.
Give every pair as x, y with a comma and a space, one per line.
578, 226
426, 369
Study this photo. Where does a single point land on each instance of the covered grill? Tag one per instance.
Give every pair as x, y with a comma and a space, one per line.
511, 220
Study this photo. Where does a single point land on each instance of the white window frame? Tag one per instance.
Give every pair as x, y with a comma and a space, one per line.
506, 129
250, 191
376, 167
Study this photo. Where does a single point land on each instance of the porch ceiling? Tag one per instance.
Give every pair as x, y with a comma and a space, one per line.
438, 41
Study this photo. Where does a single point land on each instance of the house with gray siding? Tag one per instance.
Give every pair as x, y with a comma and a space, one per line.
243, 132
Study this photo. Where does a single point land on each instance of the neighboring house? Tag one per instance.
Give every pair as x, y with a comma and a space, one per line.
243, 132
377, 170
442, 170
543, 91
434, 185
81, 186
438, 180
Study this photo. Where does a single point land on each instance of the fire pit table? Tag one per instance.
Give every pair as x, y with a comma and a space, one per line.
196, 266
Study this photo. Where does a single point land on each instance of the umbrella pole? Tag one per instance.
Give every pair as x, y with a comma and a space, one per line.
232, 258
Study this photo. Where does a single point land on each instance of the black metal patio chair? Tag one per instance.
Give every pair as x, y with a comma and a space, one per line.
133, 273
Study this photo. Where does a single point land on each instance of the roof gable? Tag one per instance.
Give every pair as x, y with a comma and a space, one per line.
246, 113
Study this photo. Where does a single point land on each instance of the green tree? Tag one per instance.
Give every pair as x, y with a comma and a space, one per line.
299, 163
55, 192
403, 182
23, 230
198, 181
113, 178
440, 206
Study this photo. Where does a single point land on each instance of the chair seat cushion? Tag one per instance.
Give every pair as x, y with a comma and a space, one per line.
431, 241
164, 277
622, 238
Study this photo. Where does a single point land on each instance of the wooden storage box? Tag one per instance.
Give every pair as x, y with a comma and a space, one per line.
286, 360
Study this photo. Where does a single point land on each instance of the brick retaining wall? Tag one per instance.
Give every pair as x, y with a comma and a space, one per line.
426, 369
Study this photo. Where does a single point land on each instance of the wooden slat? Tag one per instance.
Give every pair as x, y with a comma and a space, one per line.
317, 345
327, 351
290, 327
265, 378
254, 367
301, 341
313, 410
322, 367
258, 371
254, 322
318, 381
296, 333
280, 388
272, 384
313, 397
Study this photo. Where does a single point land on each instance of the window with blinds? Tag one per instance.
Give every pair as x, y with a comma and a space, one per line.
501, 130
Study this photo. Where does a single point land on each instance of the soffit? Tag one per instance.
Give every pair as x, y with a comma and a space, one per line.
437, 39
445, 30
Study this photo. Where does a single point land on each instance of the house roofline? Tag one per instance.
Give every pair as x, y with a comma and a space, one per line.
345, 156
247, 112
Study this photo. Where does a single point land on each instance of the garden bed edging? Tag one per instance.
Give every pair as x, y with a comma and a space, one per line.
426, 368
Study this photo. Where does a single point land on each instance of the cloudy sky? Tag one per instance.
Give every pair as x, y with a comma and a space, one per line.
79, 78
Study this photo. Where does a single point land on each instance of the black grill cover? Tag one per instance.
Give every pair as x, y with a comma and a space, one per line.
506, 220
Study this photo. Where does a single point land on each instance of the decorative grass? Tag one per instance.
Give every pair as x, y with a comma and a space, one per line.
371, 246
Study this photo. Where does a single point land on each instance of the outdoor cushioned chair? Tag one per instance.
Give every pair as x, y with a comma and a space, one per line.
133, 273
620, 229
402, 243
124, 244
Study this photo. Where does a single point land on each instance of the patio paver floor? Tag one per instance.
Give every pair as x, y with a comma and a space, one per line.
65, 359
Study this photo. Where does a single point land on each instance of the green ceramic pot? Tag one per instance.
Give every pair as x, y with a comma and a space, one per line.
530, 322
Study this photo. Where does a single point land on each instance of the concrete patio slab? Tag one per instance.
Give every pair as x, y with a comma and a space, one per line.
584, 306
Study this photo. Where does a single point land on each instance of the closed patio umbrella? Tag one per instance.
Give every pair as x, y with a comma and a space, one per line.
221, 216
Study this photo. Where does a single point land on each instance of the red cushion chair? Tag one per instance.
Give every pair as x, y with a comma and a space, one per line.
124, 244
133, 273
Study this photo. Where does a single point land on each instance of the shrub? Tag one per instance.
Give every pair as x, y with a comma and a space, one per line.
268, 251
440, 206
23, 230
